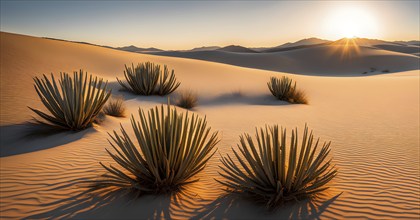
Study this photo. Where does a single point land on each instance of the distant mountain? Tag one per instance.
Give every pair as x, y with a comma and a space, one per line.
304, 43
307, 41
408, 47
236, 49
133, 48
205, 48
282, 49
326, 59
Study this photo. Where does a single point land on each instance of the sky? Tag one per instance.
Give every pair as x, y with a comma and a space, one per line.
173, 25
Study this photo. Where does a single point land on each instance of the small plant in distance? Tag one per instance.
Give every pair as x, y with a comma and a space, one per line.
142, 79
148, 79
74, 103
284, 89
186, 99
270, 172
115, 107
171, 149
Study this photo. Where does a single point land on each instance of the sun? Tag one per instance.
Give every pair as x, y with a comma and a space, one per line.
350, 22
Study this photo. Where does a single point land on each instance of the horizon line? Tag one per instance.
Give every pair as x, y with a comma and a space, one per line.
249, 47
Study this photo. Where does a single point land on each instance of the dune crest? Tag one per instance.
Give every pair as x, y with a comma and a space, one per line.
346, 57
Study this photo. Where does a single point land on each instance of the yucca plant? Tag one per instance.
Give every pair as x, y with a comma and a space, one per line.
74, 103
270, 172
148, 79
171, 149
142, 79
285, 89
167, 82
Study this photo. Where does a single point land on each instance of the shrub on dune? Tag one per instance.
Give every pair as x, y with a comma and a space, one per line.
148, 79
298, 97
270, 172
171, 149
115, 107
186, 99
284, 89
74, 103
142, 79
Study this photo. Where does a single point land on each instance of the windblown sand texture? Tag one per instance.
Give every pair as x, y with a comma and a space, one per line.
372, 121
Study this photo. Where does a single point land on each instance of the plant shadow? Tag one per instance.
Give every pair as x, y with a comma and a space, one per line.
29, 137
120, 204
115, 203
232, 98
117, 90
223, 99
232, 206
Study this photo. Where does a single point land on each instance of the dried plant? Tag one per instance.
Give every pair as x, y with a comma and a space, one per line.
115, 107
186, 99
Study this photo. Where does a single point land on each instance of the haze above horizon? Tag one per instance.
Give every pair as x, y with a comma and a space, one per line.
185, 24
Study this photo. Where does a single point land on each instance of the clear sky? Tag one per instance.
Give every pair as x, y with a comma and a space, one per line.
188, 24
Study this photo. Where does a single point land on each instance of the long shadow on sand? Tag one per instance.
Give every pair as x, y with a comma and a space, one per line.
185, 204
223, 99
232, 98
120, 204
117, 90
28, 137
232, 206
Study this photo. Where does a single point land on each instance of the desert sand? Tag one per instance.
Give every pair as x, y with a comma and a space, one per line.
336, 59
372, 121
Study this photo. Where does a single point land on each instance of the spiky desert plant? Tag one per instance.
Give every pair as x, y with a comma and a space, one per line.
186, 99
282, 87
171, 148
148, 79
167, 82
115, 106
142, 79
273, 173
74, 103
285, 89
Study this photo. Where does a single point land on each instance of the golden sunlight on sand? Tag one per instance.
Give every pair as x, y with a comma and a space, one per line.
371, 120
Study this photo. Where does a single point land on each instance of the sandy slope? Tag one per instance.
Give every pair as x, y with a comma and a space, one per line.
326, 60
373, 123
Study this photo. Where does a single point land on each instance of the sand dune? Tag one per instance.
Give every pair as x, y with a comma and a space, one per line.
410, 49
326, 60
372, 121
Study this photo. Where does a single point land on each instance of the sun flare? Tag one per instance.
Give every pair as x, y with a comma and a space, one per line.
350, 22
